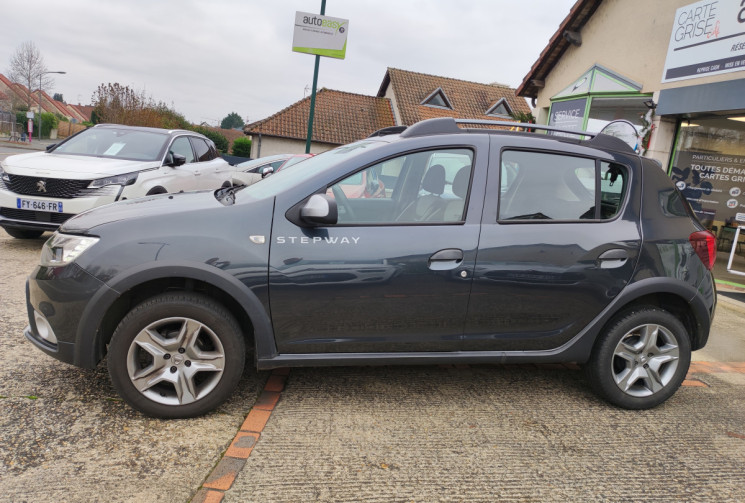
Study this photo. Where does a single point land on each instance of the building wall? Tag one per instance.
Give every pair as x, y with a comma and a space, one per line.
394, 104
630, 37
271, 145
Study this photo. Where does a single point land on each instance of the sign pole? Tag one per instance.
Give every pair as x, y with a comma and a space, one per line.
313, 93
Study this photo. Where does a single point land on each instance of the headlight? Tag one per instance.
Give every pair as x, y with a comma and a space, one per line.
127, 179
3, 174
61, 249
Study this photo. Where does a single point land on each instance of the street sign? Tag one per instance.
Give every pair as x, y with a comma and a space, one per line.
320, 35
29, 115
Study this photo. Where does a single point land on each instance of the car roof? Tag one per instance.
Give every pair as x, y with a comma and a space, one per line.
171, 132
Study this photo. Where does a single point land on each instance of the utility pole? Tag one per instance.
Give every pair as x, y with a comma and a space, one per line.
313, 92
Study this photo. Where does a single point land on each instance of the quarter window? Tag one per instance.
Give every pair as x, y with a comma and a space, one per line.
541, 186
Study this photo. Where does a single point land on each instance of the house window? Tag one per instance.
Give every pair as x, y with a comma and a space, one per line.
500, 109
437, 99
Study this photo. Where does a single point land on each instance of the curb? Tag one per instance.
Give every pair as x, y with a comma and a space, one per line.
223, 475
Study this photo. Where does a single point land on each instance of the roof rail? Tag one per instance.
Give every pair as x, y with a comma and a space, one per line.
448, 125
388, 130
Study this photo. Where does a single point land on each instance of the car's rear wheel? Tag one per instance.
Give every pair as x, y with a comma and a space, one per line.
23, 233
176, 355
641, 359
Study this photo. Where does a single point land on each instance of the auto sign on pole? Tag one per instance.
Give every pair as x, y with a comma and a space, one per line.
322, 36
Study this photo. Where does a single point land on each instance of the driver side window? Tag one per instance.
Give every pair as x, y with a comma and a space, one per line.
421, 187
181, 146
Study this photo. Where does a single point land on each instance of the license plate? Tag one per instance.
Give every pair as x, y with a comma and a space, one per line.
35, 205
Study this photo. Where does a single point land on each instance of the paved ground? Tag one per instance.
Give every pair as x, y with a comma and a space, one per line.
478, 433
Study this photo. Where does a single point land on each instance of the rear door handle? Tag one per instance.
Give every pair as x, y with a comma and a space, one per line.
613, 258
447, 259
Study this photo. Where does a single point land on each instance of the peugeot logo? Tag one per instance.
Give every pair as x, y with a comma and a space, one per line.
41, 186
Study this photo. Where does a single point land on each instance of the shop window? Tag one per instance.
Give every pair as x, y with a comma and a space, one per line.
708, 167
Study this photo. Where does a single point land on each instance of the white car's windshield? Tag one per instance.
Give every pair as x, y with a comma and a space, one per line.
116, 143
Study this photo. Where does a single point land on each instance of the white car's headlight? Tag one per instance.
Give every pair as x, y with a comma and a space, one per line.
126, 179
3, 174
61, 249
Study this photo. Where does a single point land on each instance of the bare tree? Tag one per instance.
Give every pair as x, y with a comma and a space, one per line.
26, 65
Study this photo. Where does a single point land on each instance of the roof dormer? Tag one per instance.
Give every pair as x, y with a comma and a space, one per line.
437, 99
500, 109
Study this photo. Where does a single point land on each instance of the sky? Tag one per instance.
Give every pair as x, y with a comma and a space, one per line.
207, 59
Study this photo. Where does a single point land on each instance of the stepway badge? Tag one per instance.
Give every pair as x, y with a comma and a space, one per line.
320, 35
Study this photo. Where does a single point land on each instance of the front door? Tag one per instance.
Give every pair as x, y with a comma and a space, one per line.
394, 274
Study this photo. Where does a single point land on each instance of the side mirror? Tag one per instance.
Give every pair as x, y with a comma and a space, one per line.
266, 171
320, 210
50, 147
174, 160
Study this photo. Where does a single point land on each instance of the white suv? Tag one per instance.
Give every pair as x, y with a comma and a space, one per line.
101, 165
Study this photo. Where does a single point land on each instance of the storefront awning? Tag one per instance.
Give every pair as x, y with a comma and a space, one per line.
705, 98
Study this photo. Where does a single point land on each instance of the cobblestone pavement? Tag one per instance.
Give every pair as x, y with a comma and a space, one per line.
447, 433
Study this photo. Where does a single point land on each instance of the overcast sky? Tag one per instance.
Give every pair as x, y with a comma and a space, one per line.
210, 58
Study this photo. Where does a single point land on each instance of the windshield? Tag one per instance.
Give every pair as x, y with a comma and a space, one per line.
306, 170
116, 143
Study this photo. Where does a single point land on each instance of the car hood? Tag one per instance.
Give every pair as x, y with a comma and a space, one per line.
77, 167
161, 205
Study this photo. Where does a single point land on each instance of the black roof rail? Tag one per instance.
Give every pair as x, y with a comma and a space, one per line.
449, 125
388, 130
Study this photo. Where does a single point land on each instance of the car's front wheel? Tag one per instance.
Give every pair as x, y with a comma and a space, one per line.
641, 359
176, 355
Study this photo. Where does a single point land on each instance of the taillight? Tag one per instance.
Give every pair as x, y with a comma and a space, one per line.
705, 245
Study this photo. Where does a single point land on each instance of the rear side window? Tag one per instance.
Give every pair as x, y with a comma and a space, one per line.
542, 186
202, 149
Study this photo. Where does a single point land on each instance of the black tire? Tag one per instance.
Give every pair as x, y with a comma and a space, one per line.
648, 367
217, 348
23, 233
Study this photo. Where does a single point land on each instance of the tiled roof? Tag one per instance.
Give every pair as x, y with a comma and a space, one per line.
580, 13
339, 118
470, 100
84, 111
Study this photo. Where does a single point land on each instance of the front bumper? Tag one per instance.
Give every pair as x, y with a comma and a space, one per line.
62, 296
12, 216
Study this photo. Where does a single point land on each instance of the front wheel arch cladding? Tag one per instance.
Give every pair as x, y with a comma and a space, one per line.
90, 342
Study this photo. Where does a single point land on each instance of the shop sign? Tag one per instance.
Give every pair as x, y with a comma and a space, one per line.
320, 35
713, 184
568, 114
708, 38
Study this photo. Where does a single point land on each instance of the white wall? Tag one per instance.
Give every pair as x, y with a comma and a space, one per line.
271, 145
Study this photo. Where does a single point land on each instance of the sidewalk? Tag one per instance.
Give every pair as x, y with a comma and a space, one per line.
34, 145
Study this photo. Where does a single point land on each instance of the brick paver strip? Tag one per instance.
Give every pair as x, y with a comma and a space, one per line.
242, 445
694, 383
207, 496
224, 474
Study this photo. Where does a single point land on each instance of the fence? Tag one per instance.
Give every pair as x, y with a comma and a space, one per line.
65, 129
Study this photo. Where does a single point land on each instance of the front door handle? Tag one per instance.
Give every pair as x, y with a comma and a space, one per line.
447, 259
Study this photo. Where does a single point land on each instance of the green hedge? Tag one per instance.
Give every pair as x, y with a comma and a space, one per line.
48, 122
220, 141
242, 147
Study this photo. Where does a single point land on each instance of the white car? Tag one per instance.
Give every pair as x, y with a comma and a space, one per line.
101, 165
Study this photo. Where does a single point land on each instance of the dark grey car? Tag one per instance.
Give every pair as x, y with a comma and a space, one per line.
466, 245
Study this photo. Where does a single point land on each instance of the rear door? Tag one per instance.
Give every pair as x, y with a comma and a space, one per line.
559, 241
